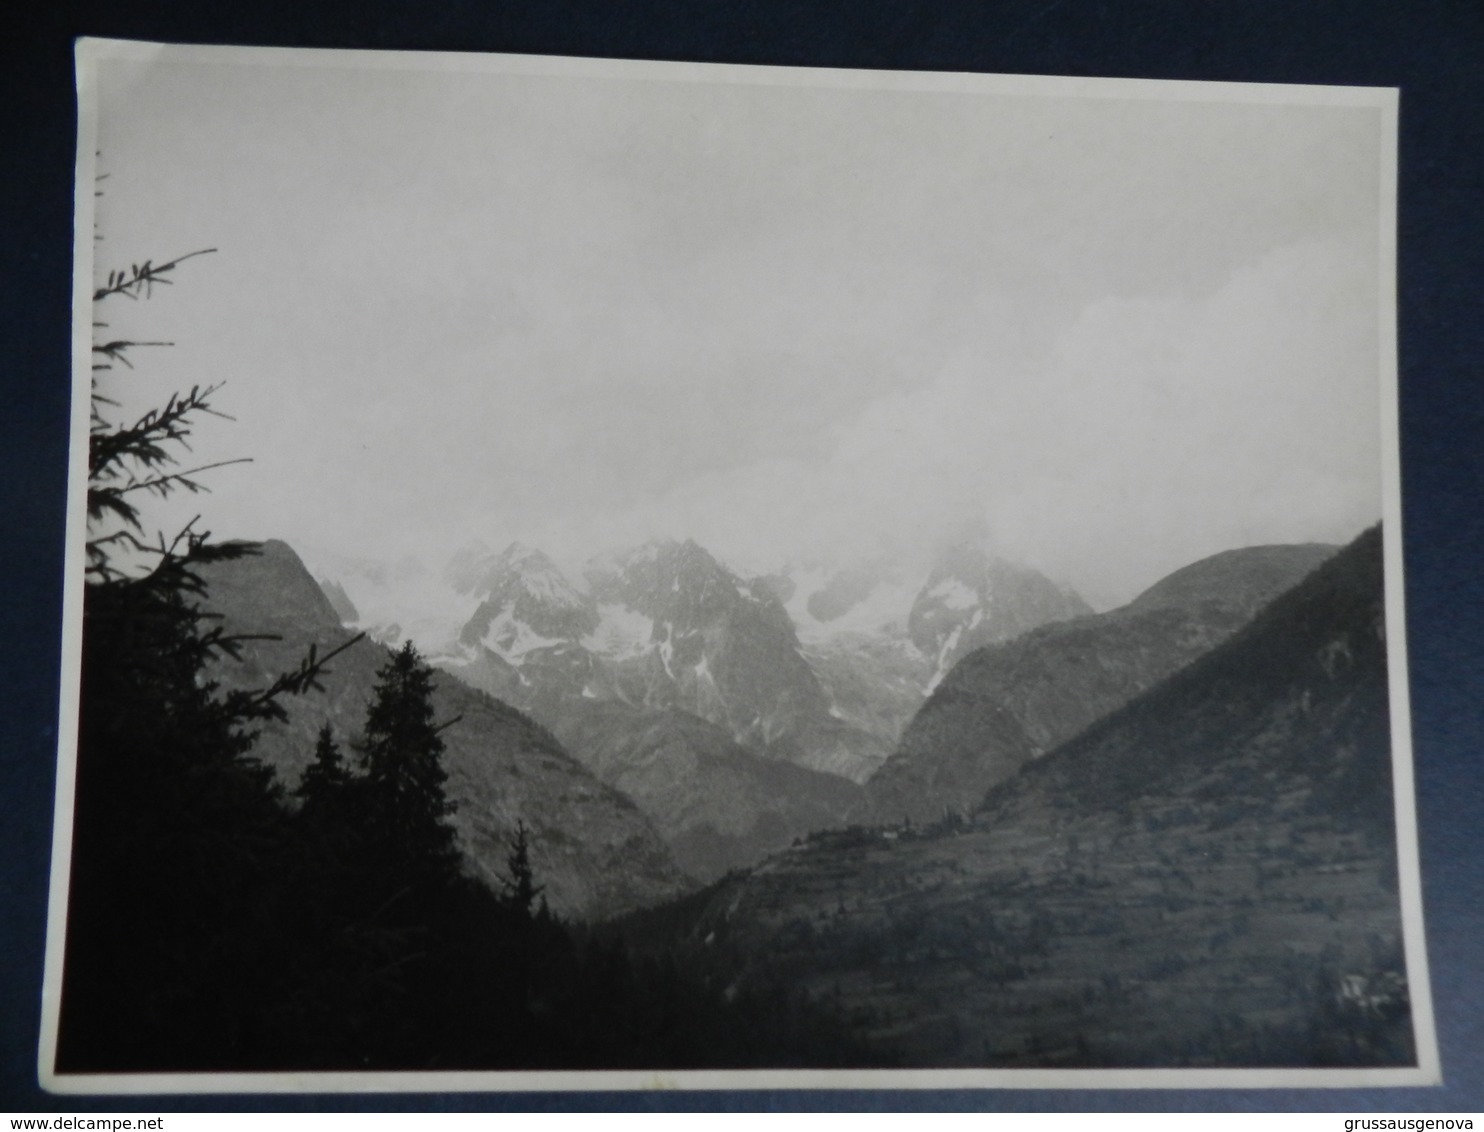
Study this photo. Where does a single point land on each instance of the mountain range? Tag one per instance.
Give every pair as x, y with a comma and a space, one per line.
1161, 835
1007, 703
821, 669
1204, 876
742, 713
687, 685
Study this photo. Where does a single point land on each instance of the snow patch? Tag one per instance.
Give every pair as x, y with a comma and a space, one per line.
750, 591
457, 656
953, 594
667, 650
950, 642
622, 632
703, 671
550, 588
513, 639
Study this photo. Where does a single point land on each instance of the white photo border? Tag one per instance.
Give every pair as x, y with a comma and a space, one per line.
90, 52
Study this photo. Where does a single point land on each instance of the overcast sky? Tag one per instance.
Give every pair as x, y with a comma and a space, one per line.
790, 322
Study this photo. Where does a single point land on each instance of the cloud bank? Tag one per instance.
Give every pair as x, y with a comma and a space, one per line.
1156, 431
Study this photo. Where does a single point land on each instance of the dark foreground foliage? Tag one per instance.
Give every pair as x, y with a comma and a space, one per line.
214, 928
216, 923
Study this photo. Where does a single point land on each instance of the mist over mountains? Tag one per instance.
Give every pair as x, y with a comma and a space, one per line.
1147, 836
738, 712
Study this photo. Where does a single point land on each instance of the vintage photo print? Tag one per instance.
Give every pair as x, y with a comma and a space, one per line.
597, 574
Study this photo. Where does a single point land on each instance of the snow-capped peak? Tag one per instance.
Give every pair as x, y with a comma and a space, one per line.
535, 574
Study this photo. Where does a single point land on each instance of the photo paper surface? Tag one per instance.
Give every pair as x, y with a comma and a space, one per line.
591, 574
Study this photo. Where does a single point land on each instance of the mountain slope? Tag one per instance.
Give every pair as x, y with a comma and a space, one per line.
719, 805
1306, 677
1204, 878
1005, 704
593, 849
527, 603
874, 683
880, 639
722, 649
971, 599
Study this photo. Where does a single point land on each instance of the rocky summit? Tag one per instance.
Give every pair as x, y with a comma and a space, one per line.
527, 603
720, 648
880, 638
971, 599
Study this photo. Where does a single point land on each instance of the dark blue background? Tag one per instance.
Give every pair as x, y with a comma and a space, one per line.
1432, 50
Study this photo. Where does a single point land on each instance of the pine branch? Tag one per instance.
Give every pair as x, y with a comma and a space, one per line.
161, 484
115, 351
175, 566
141, 277
263, 703
144, 441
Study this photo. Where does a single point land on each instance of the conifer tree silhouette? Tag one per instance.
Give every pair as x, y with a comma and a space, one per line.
403, 805
326, 777
179, 838
521, 889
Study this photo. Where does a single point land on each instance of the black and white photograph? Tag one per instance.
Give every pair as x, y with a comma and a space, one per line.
601, 574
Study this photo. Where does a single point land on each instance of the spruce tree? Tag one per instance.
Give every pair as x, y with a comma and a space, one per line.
521, 889
326, 777
404, 807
